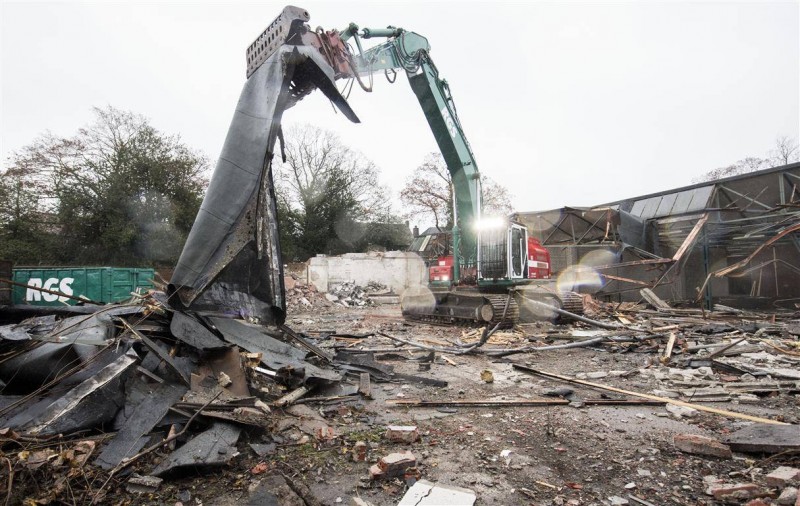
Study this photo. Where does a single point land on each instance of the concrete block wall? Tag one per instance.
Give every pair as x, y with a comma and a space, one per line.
398, 270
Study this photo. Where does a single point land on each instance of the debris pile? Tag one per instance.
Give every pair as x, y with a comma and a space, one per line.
350, 294
129, 399
109, 389
301, 297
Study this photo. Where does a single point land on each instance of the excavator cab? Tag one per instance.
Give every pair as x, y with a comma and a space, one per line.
502, 250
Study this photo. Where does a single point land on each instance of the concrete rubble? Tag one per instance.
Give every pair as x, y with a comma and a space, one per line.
425, 493
358, 406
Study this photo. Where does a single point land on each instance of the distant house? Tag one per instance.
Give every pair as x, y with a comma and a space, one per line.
431, 244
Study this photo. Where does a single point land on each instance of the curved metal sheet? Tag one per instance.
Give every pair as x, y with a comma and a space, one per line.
231, 262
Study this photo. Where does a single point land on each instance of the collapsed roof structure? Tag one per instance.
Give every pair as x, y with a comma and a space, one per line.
731, 240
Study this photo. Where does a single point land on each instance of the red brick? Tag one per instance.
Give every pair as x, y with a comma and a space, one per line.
375, 472
402, 433
395, 464
729, 492
360, 451
701, 445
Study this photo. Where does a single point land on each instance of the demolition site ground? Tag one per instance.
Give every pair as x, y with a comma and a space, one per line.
319, 448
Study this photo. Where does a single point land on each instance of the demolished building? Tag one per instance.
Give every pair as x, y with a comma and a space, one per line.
732, 241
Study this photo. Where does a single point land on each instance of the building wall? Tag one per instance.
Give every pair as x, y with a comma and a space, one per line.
399, 270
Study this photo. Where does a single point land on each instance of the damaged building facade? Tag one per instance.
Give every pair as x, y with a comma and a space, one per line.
731, 241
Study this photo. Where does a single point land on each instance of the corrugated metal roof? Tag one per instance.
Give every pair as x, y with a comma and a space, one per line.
673, 203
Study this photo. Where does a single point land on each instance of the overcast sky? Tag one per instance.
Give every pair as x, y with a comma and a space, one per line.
565, 103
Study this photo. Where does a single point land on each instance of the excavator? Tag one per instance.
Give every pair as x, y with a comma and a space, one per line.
231, 260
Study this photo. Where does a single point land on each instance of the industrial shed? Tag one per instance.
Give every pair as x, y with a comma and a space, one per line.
731, 241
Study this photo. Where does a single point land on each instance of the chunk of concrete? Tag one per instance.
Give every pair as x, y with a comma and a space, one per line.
143, 484
765, 438
681, 411
426, 493
736, 492
788, 497
357, 501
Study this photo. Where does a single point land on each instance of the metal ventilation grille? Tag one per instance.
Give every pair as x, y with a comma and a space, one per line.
494, 254
273, 37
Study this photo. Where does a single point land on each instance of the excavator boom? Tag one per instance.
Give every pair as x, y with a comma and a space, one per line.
231, 261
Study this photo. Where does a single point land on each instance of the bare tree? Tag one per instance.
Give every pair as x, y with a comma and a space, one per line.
428, 193
786, 151
743, 166
496, 198
322, 189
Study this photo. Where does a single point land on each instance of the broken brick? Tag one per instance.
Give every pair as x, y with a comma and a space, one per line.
783, 476
375, 472
701, 445
736, 492
360, 451
402, 433
393, 465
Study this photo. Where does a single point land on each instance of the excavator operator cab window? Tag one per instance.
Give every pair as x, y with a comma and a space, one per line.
518, 250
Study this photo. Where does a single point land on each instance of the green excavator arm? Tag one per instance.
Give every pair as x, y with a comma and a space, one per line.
409, 51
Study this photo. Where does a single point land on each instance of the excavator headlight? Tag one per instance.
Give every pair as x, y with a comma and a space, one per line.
490, 223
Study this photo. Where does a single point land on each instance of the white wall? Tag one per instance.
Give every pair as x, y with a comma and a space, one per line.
398, 270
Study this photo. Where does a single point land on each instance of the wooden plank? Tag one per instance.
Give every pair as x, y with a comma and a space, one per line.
625, 280
291, 397
726, 348
668, 349
649, 261
653, 299
675, 402
691, 238
448, 360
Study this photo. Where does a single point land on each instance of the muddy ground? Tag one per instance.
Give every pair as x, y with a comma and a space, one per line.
558, 454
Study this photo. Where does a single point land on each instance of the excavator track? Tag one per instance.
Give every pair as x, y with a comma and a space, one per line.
498, 303
572, 302
464, 308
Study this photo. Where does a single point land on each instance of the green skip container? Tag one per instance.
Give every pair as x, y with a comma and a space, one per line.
99, 284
